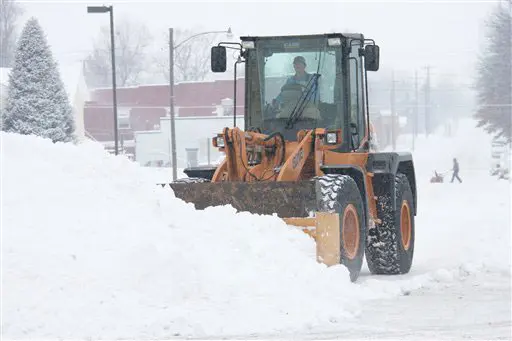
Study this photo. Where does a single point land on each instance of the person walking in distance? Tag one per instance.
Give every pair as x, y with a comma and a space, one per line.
455, 170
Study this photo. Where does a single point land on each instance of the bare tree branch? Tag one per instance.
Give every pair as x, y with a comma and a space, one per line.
191, 59
131, 42
10, 11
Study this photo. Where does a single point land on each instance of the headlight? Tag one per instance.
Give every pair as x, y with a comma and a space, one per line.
220, 141
332, 138
334, 41
248, 44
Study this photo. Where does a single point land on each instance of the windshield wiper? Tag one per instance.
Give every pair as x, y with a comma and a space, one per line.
301, 102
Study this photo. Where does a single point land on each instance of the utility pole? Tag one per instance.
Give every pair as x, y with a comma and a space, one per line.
427, 102
171, 92
110, 9
171, 111
393, 114
114, 87
208, 144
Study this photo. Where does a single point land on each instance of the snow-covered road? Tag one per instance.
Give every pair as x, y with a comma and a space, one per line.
91, 248
476, 308
460, 283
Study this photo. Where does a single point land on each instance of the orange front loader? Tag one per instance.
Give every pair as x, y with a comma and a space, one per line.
304, 153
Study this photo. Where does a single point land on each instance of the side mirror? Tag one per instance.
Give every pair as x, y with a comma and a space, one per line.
218, 59
371, 57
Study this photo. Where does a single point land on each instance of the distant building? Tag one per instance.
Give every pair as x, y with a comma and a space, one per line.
201, 110
387, 127
142, 110
193, 141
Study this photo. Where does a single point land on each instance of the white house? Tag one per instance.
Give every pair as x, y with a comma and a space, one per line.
192, 133
74, 81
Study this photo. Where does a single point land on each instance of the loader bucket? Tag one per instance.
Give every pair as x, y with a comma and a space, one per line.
286, 199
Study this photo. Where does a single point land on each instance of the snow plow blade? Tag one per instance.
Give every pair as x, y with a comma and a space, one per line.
286, 198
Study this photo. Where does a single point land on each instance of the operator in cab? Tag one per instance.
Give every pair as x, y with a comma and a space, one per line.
292, 91
301, 78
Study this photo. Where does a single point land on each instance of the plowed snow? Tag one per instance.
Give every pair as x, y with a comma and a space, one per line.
92, 248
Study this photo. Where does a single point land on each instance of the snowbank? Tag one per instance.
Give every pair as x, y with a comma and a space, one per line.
92, 248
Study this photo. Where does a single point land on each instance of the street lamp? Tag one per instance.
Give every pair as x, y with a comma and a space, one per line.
171, 90
110, 9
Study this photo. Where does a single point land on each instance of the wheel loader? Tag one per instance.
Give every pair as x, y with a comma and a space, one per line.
304, 151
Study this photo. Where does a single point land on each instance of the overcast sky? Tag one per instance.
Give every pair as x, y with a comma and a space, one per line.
412, 34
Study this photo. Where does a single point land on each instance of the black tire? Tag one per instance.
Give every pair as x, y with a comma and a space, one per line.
387, 253
340, 194
190, 180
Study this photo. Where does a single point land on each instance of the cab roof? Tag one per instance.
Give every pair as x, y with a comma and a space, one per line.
320, 35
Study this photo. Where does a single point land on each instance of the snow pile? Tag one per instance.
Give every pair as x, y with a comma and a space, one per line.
92, 248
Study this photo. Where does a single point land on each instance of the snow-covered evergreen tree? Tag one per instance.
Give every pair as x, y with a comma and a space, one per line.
494, 80
37, 103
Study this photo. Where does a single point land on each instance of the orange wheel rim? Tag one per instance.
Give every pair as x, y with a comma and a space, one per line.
405, 225
350, 231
